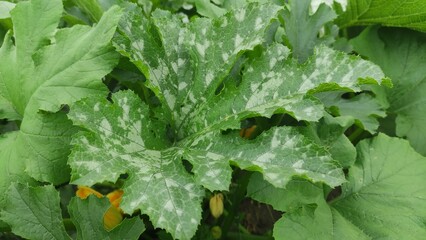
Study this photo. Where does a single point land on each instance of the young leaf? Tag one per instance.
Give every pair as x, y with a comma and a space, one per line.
296, 194
384, 47
43, 69
396, 13
296, 16
88, 214
383, 198
34, 212
363, 108
329, 132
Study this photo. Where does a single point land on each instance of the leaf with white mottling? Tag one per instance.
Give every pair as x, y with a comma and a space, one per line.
185, 63
273, 83
279, 153
119, 140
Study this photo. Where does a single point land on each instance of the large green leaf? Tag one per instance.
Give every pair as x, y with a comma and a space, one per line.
407, 99
34, 212
88, 215
43, 69
396, 13
383, 198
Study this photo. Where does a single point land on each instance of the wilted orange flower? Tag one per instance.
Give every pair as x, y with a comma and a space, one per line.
113, 216
247, 132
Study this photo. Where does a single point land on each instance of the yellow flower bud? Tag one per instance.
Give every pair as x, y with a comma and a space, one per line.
216, 205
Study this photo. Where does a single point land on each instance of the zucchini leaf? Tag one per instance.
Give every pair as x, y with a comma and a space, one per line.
186, 66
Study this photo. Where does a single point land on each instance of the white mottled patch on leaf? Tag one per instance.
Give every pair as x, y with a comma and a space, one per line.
214, 173
106, 127
225, 57
240, 15
209, 77
170, 98
237, 42
258, 24
138, 45
298, 164
306, 85
266, 157
182, 85
81, 117
272, 62
96, 107
201, 48
168, 206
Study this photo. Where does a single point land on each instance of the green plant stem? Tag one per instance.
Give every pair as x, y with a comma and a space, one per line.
238, 196
355, 134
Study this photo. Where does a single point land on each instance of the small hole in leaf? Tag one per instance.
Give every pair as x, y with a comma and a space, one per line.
188, 166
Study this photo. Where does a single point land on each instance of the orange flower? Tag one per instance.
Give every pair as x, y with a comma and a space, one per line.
83, 192
113, 216
115, 197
